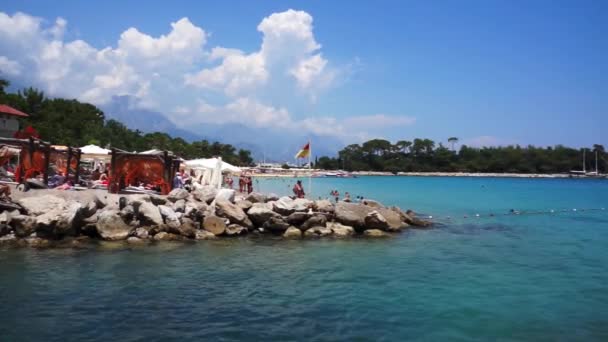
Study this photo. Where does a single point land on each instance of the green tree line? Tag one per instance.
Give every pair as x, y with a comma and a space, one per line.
425, 155
73, 123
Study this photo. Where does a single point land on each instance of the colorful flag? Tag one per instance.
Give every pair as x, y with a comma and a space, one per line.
304, 152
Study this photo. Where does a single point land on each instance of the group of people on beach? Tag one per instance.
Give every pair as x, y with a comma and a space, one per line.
245, 183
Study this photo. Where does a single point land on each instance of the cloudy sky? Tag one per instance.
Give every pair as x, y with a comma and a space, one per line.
489, 72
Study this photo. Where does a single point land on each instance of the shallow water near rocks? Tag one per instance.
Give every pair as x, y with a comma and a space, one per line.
510, 277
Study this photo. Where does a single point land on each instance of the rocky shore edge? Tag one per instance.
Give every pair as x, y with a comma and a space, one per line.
203, 214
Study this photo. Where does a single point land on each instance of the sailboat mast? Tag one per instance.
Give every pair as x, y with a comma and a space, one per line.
584, 152
596, 171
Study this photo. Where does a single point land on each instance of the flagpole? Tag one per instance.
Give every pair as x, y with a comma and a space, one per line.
310, 170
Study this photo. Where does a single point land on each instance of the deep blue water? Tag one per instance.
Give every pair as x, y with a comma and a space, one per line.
540, 276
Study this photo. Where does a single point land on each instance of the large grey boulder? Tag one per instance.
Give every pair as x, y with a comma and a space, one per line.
232, 212
292, 233
158, 199
61, 221
215, 225
352, 214
374, 220
149, 214
341, 230
164, 236
39, 205
302, 205
314, 221
235, 230
225, 194
256, 197
137, 200
260, 213
187, 228
205, 194
372, 203
177, 194
179, 206
284, 206
244, 204
393, 219
5, 218
324, 206
276, 225
297, 218
110, 226
171, 218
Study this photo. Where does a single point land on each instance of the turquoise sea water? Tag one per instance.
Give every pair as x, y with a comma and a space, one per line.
534, 276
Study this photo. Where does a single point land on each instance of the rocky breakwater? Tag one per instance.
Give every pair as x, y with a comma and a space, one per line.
203, 214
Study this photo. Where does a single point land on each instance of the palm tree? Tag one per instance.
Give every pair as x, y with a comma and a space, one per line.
453, 141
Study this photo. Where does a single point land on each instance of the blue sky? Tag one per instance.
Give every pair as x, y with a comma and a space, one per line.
489, 72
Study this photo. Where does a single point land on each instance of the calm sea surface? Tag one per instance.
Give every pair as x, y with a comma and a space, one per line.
534, 276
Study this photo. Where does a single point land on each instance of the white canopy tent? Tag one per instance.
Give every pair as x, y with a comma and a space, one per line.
94, 150
211, 163
212, 169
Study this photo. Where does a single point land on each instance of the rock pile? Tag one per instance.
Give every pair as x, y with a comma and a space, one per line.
205, 213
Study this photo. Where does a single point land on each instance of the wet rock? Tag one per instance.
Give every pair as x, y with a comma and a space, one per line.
177, 194
292, 233
141, 233
8, 238
324, 206
187, 228
233, 213
316, 232
314, 221
110, 226
374, 220
226, 195
297, 218
135, 240
148, 214
375, 233
352, 214
39, 205
5, 229
404, 217
163, 236
235, 230
284, 206
341, 230
204, 235
215, 225
37, 242
275, 225
256, 197
260, 213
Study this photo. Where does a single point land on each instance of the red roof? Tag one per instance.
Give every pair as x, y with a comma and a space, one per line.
4, 109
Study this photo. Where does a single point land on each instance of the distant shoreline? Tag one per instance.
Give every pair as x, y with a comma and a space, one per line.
305, 173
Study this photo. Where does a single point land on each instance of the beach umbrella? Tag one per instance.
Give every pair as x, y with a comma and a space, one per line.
94, 150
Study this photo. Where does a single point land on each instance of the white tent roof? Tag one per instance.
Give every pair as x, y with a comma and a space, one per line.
94, 149
211, 163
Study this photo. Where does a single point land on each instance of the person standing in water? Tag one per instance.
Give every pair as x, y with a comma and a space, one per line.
298, 190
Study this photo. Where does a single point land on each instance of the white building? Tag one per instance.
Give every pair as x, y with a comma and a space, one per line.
9, 120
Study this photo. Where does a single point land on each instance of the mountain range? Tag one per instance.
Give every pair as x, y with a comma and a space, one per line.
264, 144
